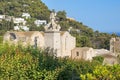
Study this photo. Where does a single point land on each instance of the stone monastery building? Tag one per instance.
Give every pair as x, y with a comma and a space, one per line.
60, 41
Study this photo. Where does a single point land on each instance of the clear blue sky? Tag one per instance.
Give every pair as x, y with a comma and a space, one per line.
101, 15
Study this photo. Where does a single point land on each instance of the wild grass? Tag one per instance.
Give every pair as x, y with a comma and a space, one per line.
1, 39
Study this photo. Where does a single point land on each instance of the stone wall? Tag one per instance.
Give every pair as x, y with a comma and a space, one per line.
53, 41
85, 53
68, 43
33, 38
115, 45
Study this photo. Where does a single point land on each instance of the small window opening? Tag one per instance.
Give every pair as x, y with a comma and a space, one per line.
77, 53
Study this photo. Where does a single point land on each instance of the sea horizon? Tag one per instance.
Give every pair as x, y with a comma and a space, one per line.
117, 33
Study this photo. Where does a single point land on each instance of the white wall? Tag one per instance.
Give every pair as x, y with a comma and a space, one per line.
40, 22
68, 43
52, 40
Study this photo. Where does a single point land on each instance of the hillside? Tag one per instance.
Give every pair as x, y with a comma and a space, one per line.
15, 8
85, 36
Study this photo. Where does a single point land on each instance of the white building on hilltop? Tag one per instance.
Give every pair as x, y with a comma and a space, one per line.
2, 17
19, 21
17, 28
40, 22
20, 24
26, 15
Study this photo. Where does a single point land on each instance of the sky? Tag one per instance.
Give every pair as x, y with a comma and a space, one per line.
101, 15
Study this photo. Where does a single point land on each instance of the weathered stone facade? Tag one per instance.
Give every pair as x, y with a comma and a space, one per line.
109, 57
33, 38
85, 53
60, 41
115, 45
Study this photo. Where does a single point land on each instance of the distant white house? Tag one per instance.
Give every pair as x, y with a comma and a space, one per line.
25, 28
2, 17
40, 22
71, 19
26, 15
19, 21
8, 18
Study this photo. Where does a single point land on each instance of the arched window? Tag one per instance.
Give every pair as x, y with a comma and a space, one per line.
35, 41
12, 36
77, 53
66, 42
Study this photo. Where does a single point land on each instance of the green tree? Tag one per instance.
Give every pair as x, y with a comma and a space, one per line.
83, 41
61, 15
